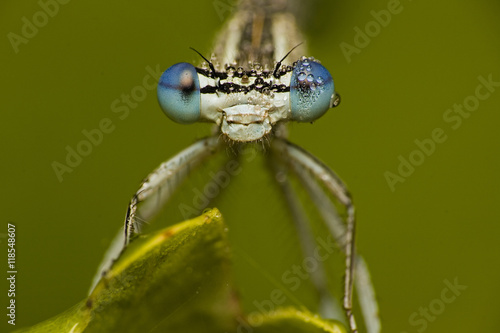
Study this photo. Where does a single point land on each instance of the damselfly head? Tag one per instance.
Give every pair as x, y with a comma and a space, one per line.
247, 103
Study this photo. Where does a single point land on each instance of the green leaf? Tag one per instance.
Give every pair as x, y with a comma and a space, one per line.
176, 280
290, 320
160, 283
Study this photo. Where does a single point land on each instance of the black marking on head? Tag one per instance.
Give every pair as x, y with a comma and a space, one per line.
229, 88
239, 73
212, 74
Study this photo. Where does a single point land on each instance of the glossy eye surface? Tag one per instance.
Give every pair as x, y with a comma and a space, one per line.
311, 90
179, 93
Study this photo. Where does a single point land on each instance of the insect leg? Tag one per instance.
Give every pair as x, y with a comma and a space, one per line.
298, 156
328, 306
159, 185
362, 279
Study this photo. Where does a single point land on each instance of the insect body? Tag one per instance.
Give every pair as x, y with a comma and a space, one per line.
249, 89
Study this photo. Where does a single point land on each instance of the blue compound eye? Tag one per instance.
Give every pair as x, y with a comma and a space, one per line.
311, 90
179, 93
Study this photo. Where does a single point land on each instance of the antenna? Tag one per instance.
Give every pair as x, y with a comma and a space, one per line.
278, 64
209, 62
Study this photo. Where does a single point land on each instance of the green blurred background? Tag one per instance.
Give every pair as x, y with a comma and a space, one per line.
441, 223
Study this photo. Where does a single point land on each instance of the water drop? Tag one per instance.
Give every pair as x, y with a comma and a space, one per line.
230, 71
259, 82
258, 68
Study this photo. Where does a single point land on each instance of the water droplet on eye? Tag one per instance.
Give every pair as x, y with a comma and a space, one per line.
310, 78
301, 76
240, 71
305, 62
313, 86
320, 80
308, 68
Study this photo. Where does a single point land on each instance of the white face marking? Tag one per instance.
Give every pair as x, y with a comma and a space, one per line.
250, 116
245, 116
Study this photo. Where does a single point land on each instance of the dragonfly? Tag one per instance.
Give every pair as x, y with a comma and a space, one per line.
258, 80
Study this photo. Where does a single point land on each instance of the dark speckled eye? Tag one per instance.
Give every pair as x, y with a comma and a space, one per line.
311, 90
